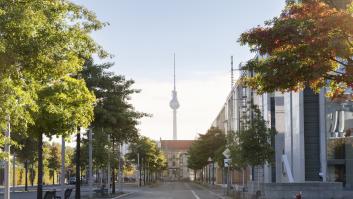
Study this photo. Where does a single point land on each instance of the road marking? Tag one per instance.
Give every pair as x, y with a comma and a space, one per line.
193, 192
195, 195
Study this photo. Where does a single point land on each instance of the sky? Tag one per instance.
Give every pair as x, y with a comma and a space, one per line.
144, 34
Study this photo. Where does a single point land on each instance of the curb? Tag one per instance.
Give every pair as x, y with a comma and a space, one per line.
125, 195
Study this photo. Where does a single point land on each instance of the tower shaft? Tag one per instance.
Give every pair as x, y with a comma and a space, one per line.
174, 104
175, 135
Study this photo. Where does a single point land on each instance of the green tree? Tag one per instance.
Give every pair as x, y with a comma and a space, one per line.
210, 145
113, 112
309, 45
251, 144
65, 106
70, 161
152, 160
41, 43
236, 155
53, 160
26, 152
114, 115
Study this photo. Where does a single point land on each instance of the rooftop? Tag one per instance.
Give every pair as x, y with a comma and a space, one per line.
176, 144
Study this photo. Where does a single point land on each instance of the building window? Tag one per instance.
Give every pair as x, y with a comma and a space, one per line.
339, 125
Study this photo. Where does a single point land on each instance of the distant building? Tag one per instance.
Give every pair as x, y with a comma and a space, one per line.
176, 154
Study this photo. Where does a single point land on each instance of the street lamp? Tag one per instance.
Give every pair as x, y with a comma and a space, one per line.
209, 169
90, 162
121, 166
227, 162
7, 161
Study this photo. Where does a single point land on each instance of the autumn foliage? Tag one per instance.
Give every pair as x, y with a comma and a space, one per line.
309, 44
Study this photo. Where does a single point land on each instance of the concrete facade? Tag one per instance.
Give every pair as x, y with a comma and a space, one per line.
302, 120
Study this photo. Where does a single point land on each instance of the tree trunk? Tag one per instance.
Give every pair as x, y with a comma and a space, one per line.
78, 169
144, 174
148, 173
32, 173
113, 170
40, 166
26, 175
140, 172
53, 177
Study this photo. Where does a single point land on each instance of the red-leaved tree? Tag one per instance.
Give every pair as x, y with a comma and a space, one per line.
309, 44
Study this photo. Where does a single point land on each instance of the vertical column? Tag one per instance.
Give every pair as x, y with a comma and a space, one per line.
14, 172
90, 160
7, 162
78, 168
175, 136
109, 173
323, 133
120, 170
62, 173
294, 134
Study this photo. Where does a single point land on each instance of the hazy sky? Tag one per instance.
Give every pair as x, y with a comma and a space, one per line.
144, 34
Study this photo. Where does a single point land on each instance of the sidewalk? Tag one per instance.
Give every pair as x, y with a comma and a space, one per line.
20, 193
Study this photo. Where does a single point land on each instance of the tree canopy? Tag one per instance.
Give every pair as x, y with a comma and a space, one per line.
113, 112
148, 152
309, 44
251, 145
41, 41
209, 145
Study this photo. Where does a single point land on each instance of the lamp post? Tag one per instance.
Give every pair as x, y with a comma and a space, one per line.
108, 180
139, 169
7, 161
90, 162
213, 173
227, 162
209, 169
120, 174
62, 173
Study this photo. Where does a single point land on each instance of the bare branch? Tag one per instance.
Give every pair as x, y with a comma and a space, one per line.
337, 72
340, 62
329, 77
349, 42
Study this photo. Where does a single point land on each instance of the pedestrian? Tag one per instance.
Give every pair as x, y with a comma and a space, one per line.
298, 195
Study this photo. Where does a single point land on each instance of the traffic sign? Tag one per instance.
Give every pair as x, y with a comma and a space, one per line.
227, 162
226, 153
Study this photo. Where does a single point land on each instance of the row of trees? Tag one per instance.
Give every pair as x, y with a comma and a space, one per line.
249, 146
49, 85
51, 154
149, 159
209, 145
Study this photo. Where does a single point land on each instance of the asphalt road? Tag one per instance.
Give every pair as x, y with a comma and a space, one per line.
173, 190
167, 190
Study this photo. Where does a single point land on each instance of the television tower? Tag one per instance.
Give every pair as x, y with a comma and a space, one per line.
174, 104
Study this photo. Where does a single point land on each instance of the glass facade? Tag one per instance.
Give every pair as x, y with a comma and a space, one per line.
339, 127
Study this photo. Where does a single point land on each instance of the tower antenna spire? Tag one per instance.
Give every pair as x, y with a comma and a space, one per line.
174, 74
231, 72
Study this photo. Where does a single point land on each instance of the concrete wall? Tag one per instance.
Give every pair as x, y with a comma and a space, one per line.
294, 134
312, 190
